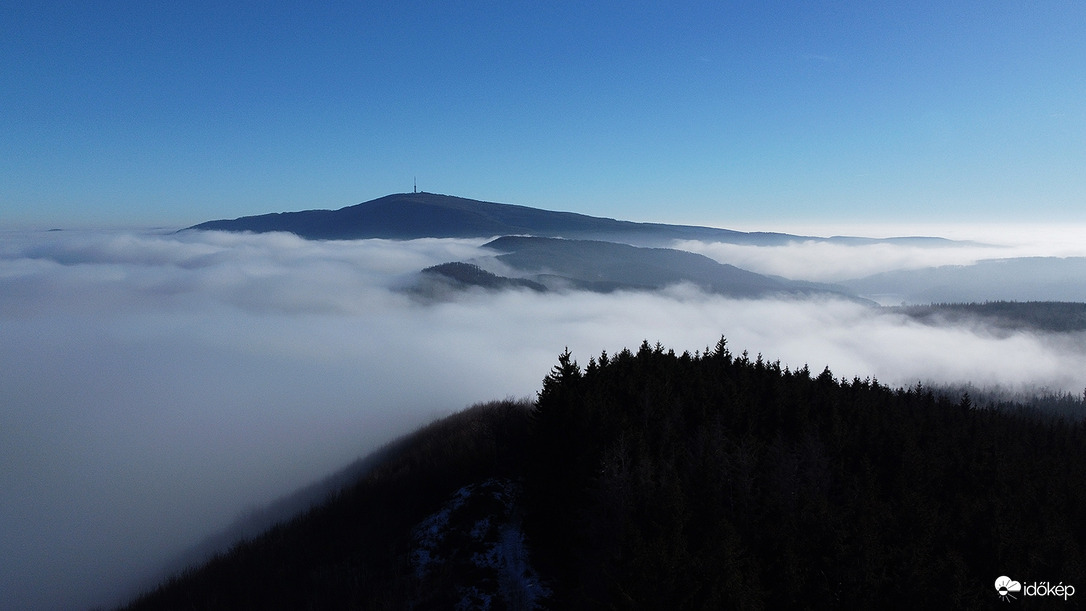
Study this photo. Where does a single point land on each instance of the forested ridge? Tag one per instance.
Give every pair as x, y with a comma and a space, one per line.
1052, 316
708, 480
714, 481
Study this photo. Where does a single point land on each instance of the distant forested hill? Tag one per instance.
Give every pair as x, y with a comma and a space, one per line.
604, 266
405, 216
1052, 316
593, 265
420, 215
648, 479
625, 266
465, 275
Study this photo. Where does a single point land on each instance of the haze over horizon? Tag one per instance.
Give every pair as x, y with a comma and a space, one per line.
139, 114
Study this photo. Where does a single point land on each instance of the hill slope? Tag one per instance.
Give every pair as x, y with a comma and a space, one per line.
418, 215
1006, 316
656, 480
592, 265
609, 266
355, 550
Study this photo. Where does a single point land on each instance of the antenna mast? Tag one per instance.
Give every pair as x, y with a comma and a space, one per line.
416, 184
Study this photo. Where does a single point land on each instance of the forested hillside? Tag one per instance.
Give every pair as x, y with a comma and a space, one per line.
712, 481
1052, 316
404, 216
653, 480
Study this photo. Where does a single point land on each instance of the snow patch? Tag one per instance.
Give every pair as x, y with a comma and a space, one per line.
472, 552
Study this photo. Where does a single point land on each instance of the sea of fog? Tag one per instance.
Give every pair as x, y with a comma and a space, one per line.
156, 386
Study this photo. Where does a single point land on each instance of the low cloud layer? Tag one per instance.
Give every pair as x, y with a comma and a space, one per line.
154, 387
820, 261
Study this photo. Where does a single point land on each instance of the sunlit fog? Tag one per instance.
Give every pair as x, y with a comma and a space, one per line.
155, 386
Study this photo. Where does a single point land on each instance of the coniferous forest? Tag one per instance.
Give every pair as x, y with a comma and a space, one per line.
653, 480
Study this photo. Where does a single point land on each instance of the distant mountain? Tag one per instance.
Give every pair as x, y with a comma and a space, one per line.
407, 216
1050, 316
458, 275
606, 266
1016, 279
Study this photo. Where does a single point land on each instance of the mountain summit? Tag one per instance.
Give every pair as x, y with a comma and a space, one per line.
406, 216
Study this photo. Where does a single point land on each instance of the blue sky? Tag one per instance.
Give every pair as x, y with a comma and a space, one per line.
172, 113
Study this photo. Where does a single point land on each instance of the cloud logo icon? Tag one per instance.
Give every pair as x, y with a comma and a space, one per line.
1005, 586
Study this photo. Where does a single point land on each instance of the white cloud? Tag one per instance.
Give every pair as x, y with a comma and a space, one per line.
830, 262
154, 386
821, 261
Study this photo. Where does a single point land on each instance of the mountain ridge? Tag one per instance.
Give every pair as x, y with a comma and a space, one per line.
422, 215
428, 215
559, 264
632, 267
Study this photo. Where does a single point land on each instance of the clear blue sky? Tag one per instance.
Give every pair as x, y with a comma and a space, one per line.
173, 113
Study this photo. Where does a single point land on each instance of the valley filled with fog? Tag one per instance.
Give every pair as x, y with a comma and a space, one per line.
156, 386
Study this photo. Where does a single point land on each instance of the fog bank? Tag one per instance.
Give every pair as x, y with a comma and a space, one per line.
154, 387
821, 261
